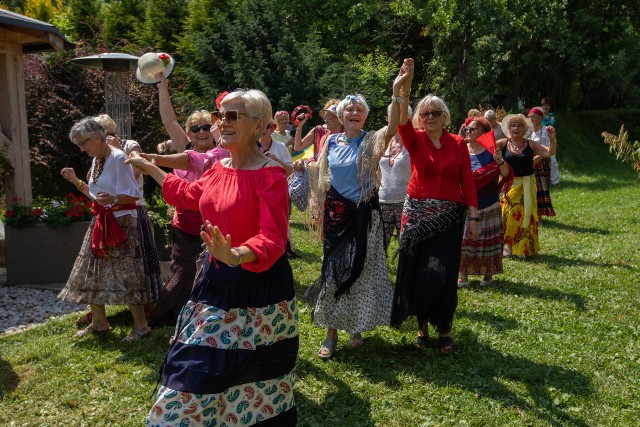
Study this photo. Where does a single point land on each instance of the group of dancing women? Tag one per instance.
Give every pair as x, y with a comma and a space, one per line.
235, 345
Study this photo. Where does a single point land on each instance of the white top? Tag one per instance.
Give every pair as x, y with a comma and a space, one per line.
128, 147
279, 150
281, 138
116, 178
396, 173
541, 136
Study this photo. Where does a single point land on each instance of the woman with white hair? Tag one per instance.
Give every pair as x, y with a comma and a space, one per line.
394, 174
354, 287
440, 192
519, 205
109, 267
238, 333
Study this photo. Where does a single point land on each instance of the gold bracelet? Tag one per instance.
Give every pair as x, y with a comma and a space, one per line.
80, 185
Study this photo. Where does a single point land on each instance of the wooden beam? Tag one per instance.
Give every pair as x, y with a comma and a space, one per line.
13, 121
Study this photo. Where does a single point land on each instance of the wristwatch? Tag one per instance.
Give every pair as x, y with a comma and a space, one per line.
397, 99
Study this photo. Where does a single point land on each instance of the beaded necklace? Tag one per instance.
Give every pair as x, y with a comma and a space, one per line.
97, 169
348, 141
515, 149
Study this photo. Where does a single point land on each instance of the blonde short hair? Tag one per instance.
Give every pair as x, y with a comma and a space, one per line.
196, 116
434, 101
106, 122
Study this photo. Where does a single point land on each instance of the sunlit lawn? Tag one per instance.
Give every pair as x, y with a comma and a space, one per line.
554, 342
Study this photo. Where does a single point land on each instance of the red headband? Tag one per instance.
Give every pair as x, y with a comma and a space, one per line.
281, 113
537, 110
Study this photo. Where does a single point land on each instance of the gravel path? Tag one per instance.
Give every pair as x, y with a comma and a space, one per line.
24, 308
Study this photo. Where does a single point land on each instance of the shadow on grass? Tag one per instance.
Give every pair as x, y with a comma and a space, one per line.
149, 351
514, 288
620, 179
332, 410
498, 323
553, 261
557, 225
481, 370
9, 380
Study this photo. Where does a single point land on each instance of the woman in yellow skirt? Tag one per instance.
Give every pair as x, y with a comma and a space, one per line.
519, 208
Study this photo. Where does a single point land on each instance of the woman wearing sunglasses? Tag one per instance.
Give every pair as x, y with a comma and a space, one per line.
483, 256
354, 291
440, 193
238, 334
197, 135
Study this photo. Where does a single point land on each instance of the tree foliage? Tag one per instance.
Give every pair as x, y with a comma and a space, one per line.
583, 54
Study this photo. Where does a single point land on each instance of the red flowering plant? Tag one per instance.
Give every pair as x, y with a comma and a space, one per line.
21, 215
55, 213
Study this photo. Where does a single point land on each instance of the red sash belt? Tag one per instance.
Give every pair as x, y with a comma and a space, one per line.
106, 231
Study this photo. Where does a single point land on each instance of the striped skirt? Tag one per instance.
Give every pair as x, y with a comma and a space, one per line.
542, 171
236, 342
483, 255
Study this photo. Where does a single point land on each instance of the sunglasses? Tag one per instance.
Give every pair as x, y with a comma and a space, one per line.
232, 116
270, 127
196, 128
434, 114
470, 129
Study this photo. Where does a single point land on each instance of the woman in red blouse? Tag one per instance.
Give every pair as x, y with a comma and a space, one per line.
440, 191
238, 333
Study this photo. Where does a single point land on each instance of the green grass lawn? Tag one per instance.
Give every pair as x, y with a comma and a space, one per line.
555, 341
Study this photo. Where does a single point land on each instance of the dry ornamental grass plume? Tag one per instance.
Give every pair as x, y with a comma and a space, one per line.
626, 152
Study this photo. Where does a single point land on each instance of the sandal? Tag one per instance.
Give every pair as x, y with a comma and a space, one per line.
463, 284
485, 281
137, 334
327, 349
91, 330
422, 342
356, 340
446, 345
84, 319
506, 252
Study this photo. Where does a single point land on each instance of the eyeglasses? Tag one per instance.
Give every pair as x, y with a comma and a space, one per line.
81, 144
196, 128
434, 114
470, 129
270, 127
232, 116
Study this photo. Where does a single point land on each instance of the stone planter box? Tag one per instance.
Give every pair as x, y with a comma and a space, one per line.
42, 254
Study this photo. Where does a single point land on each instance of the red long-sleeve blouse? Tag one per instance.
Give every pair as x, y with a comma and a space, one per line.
250, 205
441, 174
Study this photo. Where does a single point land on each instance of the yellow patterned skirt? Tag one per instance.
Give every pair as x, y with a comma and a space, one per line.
520, 217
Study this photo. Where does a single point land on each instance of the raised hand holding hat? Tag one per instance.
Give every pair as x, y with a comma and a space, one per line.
153, 66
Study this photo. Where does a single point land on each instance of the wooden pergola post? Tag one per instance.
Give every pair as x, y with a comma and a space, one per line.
13, 119
19, 35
